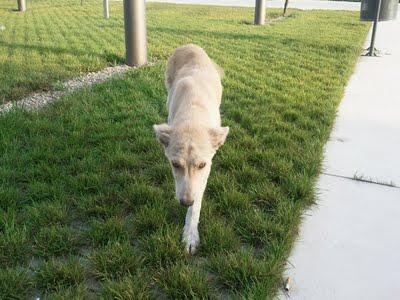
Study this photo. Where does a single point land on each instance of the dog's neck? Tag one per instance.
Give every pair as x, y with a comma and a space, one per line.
194, 112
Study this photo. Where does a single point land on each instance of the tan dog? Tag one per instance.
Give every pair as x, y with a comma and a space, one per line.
193, 133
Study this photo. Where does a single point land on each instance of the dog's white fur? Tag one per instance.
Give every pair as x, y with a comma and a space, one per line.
193, 133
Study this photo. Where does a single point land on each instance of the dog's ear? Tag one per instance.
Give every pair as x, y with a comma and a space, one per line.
163, 133
218, 136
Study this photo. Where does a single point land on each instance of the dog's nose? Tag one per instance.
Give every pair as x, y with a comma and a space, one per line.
186, 202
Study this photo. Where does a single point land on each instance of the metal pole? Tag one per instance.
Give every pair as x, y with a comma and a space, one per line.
285, 7
372, 46
106, 11
135, 32
259, 15
21, 5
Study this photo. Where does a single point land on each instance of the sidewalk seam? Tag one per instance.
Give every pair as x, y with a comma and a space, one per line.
369, 181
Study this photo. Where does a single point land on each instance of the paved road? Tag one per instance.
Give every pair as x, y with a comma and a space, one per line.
349, 244
301, 4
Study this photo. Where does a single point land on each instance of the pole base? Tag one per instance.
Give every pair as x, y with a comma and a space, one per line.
135, 32
375, 52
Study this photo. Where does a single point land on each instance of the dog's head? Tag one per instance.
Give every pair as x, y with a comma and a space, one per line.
190, 150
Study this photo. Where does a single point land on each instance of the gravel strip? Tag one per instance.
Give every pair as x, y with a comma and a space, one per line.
40, 99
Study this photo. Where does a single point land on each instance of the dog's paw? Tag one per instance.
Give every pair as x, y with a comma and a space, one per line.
191, 240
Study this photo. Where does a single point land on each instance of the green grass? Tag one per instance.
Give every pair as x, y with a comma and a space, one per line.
87, 206
15, 284
56, 275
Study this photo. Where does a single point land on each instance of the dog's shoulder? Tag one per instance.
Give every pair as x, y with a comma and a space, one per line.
187, 56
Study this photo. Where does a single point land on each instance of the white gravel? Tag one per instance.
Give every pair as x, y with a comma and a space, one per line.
40, 99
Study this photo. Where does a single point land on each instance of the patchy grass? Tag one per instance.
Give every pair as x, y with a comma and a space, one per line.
185, 281
87, 206
56, 241
15, 284
114, 261
14, 242
241, 271
52, 42
127, 288
55, 275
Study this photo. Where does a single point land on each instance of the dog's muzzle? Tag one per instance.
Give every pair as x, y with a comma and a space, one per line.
186, 202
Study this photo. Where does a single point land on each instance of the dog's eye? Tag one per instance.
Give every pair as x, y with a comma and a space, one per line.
176, 165
202, 165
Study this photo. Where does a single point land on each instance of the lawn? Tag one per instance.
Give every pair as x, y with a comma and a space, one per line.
87, 206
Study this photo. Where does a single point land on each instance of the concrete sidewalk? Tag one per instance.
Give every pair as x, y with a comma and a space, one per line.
349, 244
300, 4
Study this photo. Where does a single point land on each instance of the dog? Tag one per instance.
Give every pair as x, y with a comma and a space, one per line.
193, 133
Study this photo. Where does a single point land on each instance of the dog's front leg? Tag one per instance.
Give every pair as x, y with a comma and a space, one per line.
190, 232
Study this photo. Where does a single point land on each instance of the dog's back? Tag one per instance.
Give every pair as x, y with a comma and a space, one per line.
194, 87
186, 60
